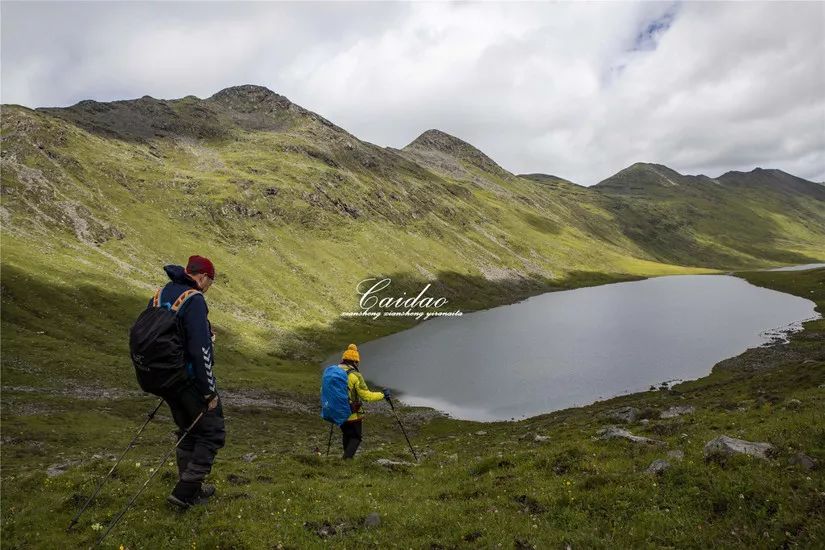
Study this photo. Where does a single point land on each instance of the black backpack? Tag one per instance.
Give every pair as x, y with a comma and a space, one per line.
157, 343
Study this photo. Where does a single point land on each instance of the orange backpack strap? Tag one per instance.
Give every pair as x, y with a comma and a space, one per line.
156, 298
182, 299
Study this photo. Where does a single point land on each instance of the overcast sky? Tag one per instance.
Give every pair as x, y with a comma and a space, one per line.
578, 90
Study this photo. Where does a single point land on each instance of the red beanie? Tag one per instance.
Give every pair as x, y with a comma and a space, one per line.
199, 264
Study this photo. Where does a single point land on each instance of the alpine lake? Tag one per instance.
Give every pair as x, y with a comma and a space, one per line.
574, 347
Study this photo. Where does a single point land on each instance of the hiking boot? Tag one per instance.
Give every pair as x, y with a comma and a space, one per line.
175, 501
197, 500
190, 493
207, 490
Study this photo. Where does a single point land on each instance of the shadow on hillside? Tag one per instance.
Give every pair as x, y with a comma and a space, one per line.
80, 330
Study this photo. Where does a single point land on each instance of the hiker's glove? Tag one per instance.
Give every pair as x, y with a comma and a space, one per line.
387, 394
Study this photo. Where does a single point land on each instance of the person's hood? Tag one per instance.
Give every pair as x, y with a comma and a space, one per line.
177, 274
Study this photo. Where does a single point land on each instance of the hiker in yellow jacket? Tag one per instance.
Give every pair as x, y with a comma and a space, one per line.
351, 430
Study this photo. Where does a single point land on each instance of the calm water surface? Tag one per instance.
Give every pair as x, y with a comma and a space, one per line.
574, 347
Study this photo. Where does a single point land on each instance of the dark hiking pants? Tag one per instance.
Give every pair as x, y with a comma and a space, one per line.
351, 437
196, 452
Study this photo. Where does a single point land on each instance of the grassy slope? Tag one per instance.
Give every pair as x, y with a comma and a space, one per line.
88, 220
470, 489
704, 221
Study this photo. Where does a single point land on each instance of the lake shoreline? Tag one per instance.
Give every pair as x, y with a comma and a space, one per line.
769, 354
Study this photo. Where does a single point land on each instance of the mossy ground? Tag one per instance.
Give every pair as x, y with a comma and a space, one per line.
499, 488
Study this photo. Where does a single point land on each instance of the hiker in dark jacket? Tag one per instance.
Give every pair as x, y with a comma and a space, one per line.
187, 400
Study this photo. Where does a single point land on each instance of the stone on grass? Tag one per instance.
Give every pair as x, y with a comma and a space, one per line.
541, 438
658, 466
727, 446
387, 463
793, 404
803, 461
372, 520
623, 414
678, 410
59, 469
676, 454
614, 432
249, 457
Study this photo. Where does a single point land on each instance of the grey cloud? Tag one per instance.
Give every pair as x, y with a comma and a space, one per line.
580, 90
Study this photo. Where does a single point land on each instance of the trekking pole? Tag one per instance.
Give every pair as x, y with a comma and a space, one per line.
149, 418
329, 443
161, 465
403, 431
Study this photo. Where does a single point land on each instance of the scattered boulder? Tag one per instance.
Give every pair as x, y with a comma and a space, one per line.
678, 410
481, 432
623, 414
728, 446
326, 529
391, 464
793, 404
58, 469
658, 466
249, 457
541, 438
372, 520
614, 432
676, 454
803, 461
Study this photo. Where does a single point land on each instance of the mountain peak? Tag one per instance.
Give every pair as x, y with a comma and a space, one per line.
250, 97
434, 140
640, 176
774, 179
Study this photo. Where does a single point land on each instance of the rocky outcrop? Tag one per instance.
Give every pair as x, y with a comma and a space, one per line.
658, 466
393, 464
678, 410
614, 432
623, 414
729, 446
803, 461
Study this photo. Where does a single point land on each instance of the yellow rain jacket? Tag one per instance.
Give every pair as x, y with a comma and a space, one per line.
359, 391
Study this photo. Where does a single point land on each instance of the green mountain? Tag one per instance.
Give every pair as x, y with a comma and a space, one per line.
700, 220
295, 211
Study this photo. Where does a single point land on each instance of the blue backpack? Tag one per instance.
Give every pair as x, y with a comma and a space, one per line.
335, 406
